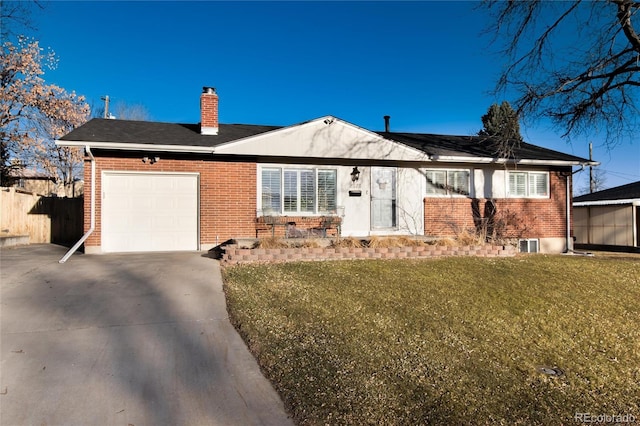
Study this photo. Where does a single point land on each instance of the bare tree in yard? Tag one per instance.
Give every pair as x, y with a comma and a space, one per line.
502, 129
33, 113
575, 62
124, 111
15, 15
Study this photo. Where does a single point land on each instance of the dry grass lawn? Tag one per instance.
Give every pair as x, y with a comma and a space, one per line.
445, 341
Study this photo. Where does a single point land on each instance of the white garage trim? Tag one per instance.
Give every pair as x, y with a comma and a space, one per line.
143, 212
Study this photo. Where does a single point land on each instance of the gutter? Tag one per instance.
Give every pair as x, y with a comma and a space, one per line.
93, 208
632, 201
489, 160
138, 146
224, 149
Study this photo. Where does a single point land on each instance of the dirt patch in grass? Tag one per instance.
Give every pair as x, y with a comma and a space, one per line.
448, 341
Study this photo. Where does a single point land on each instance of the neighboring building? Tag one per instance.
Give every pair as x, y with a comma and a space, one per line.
164, 186
608, 219
30, 180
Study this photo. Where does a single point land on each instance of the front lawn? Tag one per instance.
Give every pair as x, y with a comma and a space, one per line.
445, 341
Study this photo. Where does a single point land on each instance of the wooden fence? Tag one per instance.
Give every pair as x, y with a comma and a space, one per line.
44, 219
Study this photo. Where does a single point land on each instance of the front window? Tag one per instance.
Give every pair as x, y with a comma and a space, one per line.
529, 184
294, 191
447, 182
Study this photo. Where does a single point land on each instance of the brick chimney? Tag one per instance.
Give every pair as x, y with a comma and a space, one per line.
208, 111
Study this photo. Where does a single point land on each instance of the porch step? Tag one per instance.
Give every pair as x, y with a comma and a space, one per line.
13, 240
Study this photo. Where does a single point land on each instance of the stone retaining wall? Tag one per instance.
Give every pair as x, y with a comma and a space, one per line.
233, 254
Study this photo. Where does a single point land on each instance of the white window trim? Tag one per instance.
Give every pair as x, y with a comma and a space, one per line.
450, 194
529, 240
282, 168
528, 195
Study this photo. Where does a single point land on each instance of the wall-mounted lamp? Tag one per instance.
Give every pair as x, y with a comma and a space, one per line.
355, 174
150, 160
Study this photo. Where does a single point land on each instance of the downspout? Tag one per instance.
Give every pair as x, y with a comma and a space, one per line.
568, 196
93, 208
569, 243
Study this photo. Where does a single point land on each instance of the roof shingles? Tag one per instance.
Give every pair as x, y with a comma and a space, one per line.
156, 133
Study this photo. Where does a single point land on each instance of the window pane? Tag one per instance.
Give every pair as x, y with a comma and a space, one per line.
307, 191
538, 184
290, 191
271, 190
459, 182
327, 189
518, 184
436, 182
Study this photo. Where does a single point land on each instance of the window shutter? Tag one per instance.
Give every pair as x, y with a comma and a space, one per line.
271, 196
538, 184
327, 190
307, 191
459, 182
290, 191
518, 184
436, 182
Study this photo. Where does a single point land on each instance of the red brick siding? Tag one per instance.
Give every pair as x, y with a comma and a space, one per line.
209, 110
301, 223
227, 194
538, 218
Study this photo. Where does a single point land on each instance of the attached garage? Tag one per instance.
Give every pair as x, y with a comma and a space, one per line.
149, 211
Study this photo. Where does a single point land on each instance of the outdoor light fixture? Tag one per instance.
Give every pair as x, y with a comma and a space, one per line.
150, 160
355, 174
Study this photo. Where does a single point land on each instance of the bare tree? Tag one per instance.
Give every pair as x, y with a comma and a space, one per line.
124, 111
33, 114
597, 182
575, 62
15, 15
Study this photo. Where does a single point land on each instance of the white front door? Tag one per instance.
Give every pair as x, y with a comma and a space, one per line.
149, 212
383, 198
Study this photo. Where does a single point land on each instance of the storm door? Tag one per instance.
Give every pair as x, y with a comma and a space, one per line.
383, 198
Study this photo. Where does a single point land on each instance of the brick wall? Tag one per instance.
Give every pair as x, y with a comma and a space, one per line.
234, 255
534, 218
227, 194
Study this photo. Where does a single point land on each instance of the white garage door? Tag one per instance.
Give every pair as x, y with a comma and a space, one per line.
149, 212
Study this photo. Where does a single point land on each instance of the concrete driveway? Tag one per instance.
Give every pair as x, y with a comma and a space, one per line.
135, 339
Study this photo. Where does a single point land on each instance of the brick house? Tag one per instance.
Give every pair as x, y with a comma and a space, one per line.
164, 186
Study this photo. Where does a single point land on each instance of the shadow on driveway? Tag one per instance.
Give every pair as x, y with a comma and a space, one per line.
123, 339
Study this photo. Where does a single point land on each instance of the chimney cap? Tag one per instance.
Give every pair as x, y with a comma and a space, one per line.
209, 90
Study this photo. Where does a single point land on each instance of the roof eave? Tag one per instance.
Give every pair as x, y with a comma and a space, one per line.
138, 147
632, 201
489, 160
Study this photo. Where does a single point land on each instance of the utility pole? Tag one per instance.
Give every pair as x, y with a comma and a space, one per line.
592, 182
106, 106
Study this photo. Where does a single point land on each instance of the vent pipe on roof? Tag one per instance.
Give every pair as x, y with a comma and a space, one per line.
386, 123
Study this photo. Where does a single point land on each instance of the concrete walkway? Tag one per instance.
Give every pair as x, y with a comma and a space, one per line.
136, 339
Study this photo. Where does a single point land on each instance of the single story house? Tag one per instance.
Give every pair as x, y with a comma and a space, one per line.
30, 180
154, 186
608, 219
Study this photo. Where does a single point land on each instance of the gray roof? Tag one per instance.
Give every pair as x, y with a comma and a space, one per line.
623, 192
474, 146
156, 133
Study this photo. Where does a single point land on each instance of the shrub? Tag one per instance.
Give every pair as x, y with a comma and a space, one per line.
270, 243
349, 242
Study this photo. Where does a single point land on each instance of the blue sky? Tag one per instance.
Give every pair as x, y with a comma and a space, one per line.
426, 64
